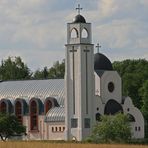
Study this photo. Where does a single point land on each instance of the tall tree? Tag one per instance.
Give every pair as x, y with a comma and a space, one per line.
14, 69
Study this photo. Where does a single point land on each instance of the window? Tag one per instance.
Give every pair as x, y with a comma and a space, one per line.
3, 107
84, 33
74, 123
87, 123
74, 33
34, 115
111, 87
18, 111
136, 128
139, 128
48, 106
52, 129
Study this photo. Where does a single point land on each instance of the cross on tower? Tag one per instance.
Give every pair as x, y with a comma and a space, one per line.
73, 63
98, 47
86, 56
79, 9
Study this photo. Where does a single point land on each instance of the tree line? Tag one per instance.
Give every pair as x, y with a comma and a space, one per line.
134, 74
15, 69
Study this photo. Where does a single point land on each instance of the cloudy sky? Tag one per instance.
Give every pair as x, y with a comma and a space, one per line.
36, 29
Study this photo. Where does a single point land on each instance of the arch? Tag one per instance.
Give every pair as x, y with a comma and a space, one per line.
84, 33
112, 107
74, 33
19, 111
33, 115
48, 105
3, 107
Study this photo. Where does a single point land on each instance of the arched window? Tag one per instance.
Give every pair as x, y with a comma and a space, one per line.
74, 33
33, 115
3, 107
48, 106
84, 33
18, 111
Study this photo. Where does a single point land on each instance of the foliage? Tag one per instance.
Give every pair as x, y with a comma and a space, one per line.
14, 69
134, 73
55, 72
10, 126
112, 129
144, 95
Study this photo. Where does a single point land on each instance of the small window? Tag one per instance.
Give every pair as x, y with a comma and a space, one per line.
128, 109
52, 129
139, 128
56, 129
60, 129
63, 128
136, 128
111, 87
74, 123
74, 33
87, 123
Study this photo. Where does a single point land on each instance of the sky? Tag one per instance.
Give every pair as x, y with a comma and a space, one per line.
36, 30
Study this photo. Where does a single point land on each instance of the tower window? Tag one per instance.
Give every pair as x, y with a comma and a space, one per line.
48, 106
74, 33
18, 111
111, 87
3, 107
84, 33
34, 115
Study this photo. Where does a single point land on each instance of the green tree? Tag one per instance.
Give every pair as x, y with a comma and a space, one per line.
112, 129
57, 71
134, 73
144, 95
14, 69
41, 74
10, 126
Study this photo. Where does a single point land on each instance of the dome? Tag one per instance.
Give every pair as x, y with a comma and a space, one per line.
101, 62
79, 19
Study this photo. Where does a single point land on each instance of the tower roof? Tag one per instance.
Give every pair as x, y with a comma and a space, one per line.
101, 62
79, 19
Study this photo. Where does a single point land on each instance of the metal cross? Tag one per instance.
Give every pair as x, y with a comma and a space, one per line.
79, 9
98, 47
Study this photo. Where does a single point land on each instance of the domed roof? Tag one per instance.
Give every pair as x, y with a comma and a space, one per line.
101, 62
79, 19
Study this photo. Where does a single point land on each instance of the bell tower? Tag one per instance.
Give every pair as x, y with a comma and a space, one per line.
79, 79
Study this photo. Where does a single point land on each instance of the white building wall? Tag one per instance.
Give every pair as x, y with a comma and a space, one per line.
111, 76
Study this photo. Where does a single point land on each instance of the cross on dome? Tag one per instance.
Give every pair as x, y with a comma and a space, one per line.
98, 47
79, 8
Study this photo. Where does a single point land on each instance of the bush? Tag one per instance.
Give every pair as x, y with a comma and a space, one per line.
112, 129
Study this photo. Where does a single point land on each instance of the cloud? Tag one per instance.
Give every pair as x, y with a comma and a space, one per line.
36, 29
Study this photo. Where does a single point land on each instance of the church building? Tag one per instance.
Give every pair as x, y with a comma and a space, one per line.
67, 109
